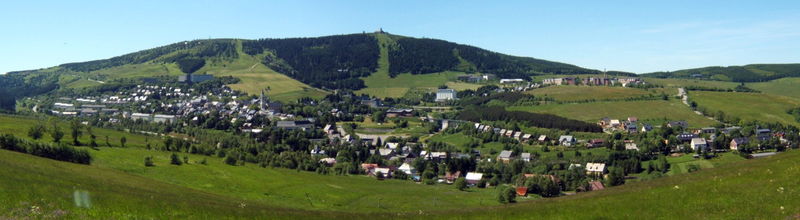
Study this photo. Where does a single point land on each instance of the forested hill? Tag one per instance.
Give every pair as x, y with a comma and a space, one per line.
420, 56
747, 73
339, 61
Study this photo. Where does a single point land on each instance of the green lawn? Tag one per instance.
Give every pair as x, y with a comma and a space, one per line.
650, 111
576, 93
748, 106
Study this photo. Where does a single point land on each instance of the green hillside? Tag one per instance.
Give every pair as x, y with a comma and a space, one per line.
747, 73
381, 64
748, 106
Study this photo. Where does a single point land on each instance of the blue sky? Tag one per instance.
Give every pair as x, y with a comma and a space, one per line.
637, 36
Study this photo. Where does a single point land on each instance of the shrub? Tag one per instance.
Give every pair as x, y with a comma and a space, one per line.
148, 161
174, 160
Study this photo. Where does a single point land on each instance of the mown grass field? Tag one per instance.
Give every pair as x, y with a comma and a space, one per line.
784, 86
577, 93
748, 106
691, 82
654, 111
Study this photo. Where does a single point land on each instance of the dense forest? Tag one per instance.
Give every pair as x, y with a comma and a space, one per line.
747, 73
333, 62
225, 48
420, 56
497, 113
16, 85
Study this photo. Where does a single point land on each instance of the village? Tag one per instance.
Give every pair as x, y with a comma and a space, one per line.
400, 156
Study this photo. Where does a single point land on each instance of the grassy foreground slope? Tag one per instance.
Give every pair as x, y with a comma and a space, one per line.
29, 181
753, 189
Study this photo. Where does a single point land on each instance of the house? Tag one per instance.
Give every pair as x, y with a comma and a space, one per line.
369, 167
566, 140
328, 161
445, 95
708, 130
596, 185
595, 168
402, 112
384, 172
614, 123
699, 143
763, 134
631, 146
505, 156
631, 127
329, 129
646, 128
552, 81
317, 151
294, 125
163, 118
526, 137
470, 78
525, 157
407, 169
510, 81
522, 191
518, 135
140, 116
474, 178
737, 142
374, 103
392, 145
595, 143
451, 177
633, 119
542, 138
386, 152
685, 137
678, 124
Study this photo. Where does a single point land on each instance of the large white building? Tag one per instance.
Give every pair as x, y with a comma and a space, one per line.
445, 94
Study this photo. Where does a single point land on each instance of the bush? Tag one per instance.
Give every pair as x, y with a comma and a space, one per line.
461, 184
174, 160
506, 194
148, 161
36, 131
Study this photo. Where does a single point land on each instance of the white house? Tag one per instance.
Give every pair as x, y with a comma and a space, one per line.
445, 95
595, 168
408, 169
699, 143
566, 140
473, 178
504, 81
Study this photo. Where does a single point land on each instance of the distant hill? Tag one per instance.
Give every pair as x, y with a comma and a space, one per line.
747, 73
335, 62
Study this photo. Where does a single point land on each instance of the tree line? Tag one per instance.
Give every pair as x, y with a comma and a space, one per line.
57, 151
497, 113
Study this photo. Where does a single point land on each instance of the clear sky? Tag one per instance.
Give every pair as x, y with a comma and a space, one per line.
638, 36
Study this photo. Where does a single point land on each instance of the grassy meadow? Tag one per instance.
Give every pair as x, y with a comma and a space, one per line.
748, 106
652, 111
578, 93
